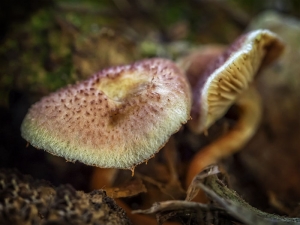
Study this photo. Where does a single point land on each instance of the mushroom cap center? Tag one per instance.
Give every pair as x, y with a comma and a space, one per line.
121, 88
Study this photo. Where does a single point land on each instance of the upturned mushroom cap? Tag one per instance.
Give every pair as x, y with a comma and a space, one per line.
230, 74
195, 63
118, 118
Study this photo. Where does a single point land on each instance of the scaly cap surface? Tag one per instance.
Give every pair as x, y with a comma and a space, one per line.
118, 118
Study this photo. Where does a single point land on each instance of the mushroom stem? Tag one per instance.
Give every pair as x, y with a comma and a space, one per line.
103, 178
170, 154
249, 105
174, 186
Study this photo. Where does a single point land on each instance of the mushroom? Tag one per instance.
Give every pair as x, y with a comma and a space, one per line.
230, 74
118, 118
249, 110
225, 82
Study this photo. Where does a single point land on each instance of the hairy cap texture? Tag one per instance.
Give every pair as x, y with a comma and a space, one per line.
118, 118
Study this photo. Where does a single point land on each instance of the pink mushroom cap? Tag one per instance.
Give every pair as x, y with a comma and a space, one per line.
118, 118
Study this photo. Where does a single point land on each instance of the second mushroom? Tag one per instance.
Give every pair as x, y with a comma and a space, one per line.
226, 81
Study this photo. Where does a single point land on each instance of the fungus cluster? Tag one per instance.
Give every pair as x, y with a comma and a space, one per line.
123, 115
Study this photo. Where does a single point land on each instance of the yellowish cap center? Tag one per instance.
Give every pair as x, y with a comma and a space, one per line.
122, 87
